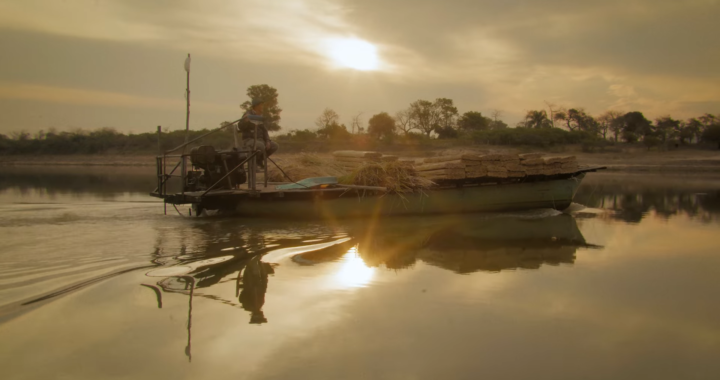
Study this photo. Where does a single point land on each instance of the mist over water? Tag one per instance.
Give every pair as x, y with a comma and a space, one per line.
95, 282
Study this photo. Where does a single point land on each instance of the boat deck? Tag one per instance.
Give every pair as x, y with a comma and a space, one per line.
271, 191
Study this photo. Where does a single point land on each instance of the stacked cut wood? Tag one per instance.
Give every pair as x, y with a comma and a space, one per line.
502, 166
561, 165
534, 164
471, 166
352, 159
447, 167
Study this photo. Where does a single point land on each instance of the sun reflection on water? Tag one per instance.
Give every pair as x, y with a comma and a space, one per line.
353, 272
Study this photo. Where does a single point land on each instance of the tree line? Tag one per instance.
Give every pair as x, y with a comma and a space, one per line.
421, 120
441, 119
630, 127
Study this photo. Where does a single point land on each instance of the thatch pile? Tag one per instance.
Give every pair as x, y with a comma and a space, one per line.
351, 159
395, 176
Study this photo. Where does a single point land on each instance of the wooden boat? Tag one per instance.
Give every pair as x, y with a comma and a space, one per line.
340, 201
215, 186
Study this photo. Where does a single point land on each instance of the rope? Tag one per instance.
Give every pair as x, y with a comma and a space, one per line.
285, 174
178, 211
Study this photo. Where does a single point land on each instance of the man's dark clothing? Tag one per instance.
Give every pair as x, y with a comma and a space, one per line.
247, 128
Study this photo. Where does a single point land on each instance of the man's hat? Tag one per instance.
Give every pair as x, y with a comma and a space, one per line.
257, 101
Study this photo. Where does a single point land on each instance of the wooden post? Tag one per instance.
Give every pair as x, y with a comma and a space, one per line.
233, 128
266, 167
187, 122
254, 161
158, 162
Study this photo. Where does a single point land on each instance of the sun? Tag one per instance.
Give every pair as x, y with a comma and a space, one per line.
354, 53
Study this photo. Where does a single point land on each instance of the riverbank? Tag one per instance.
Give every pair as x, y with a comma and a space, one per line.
675, 161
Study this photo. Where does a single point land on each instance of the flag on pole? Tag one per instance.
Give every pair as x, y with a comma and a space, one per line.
187, 63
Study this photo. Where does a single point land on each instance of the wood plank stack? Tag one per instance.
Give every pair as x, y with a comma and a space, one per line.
351, 159
447, 167
562, 165
503, 165
534, 164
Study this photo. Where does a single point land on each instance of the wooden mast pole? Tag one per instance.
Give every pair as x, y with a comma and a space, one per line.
187, 121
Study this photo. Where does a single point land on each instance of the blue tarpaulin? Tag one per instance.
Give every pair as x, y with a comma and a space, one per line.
308, 183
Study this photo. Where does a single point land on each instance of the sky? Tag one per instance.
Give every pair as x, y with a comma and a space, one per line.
70, 64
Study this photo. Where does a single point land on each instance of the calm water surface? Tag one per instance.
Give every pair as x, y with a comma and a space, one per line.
95, 282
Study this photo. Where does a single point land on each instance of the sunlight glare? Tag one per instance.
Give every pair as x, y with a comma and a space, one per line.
354, 53
353, 272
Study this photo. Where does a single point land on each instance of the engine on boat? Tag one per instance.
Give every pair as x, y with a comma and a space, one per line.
210, 166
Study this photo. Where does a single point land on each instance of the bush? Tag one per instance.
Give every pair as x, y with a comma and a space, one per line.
543, 137
712, 134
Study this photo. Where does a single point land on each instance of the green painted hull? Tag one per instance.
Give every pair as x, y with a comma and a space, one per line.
557, 194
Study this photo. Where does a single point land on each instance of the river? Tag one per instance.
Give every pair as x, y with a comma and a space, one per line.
96, 282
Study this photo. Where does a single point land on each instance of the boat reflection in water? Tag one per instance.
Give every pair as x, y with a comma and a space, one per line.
465, 244
359, 249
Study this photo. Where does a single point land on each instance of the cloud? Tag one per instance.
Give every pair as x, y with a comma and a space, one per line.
251, 30
74, 96
485, 54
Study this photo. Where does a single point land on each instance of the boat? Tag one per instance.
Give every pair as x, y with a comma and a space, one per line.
212, 185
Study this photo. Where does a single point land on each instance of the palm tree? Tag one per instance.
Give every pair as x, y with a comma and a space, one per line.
537, 119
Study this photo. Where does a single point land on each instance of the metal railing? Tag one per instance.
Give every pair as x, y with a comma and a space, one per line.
163, 176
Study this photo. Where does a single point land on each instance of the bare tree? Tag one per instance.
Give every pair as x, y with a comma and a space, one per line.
553, 108
403, 122
326, 118
496, 114
356, 123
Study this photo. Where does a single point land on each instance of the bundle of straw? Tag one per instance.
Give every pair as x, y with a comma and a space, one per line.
394, 176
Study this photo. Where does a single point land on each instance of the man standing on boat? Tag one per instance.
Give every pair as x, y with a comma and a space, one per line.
247, 129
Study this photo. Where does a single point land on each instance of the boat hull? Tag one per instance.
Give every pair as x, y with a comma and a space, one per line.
557, 194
